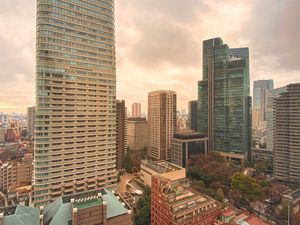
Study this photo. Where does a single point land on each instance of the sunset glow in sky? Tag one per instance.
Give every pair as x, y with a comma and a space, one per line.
159, 45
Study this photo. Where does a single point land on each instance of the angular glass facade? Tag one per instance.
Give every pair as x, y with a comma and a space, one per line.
224, 101
75, 128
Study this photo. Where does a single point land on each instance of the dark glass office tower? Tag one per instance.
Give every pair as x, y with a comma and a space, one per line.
224, 100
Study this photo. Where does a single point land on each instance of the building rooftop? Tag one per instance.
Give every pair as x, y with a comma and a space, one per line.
189, 135
23, 215
60, 211
161, 166
136, 119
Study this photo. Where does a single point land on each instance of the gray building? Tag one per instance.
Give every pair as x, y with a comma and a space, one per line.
271, 96
30, 120
192, 115
287, 135
260, 89
186, 144
121, 133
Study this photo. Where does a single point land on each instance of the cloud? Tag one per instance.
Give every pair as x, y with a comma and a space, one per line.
159, 44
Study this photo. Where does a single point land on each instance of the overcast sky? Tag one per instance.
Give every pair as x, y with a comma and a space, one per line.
159, 45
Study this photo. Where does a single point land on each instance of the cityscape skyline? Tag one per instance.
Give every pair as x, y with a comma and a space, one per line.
141, 46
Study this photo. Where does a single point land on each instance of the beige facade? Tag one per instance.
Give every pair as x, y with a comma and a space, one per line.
163, 168
161, 123
137, 133
75, 127
121, 133
14, 174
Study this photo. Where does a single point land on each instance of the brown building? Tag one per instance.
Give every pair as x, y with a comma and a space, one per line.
137, 136
87, 208
172, 203
121, 133
161, 123
30, 120
15, 173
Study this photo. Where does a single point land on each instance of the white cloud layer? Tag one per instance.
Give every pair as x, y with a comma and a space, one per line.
159, 45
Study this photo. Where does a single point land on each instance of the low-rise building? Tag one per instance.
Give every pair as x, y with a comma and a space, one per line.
164, 168
172, 203
87, 208
186, 144
15, 173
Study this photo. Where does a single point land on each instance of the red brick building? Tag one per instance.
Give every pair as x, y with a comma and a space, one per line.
174, 204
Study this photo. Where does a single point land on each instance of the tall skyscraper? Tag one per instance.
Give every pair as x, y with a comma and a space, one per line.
224, 100
287, 135
192, 115
260, 89
30, 120
161, 123
271, 96
121, 133
136, 110
75, 138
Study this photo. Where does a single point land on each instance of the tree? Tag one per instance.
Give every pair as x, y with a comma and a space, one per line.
245, 188
220, 195
142, 215
128, 161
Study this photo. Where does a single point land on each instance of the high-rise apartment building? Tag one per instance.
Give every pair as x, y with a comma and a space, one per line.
75, 127
121, 133
136, 110
161, 123
271, 96
224, 100
260, 89
287, 135
192, 115
30, 121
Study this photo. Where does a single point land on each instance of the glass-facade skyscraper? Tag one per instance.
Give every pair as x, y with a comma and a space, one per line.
224, 100
75, 127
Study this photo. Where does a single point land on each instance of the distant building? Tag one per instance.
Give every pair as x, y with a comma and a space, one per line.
173, 204
136, 110
164, 168
88, 208
287, 135
121, 133
186, 144
260, 89
192, 115
30, 121
224, 102
15, 173
2, 135
137, 137
161, 123
271, 96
